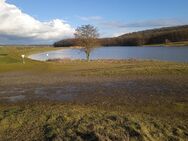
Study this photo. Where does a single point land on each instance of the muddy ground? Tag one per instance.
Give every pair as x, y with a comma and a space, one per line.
127, 90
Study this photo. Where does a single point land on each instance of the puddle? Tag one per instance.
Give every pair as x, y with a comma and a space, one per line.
15, 98
13, 91
66, 93
79, 91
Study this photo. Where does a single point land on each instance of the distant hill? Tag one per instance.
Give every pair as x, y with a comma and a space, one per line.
147, 37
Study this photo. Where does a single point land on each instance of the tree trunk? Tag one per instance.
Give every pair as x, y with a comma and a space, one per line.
87, 56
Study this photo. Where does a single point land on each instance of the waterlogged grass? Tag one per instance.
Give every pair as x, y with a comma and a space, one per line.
98, 100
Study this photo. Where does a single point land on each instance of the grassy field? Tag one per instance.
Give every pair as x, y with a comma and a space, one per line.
176, 44
125, 100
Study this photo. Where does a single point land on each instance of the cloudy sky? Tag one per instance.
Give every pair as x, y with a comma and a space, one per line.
46, 21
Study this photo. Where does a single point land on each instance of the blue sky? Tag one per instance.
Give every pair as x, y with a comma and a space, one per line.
112, 17
127, 10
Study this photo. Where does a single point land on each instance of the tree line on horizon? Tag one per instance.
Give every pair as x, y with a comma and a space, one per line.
147, 37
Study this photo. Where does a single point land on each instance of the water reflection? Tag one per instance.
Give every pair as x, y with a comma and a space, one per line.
178, 54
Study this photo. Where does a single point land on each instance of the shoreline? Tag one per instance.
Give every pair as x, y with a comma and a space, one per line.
142, 58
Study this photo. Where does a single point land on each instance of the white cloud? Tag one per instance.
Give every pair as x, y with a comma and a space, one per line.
14, 22
117, 28
90, 18
119, 33
144, 24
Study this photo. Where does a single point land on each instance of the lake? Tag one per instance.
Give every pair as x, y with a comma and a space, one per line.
175, 54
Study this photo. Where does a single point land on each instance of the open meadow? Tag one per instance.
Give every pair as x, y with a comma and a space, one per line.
118, 100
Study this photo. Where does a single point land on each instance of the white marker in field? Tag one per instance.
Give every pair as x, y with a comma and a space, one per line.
23, 57
47, 54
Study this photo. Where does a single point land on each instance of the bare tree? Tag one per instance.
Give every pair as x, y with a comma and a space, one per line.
87, 37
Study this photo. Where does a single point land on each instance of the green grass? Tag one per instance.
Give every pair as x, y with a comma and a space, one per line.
176, 44
117, 100
74, 122
12, 62
10, 58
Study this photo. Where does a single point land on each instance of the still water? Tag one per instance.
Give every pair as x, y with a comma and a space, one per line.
175, 54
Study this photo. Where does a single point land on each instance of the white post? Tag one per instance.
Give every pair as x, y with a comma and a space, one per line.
23, 58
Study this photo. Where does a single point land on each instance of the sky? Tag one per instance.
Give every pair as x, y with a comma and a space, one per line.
47, 21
